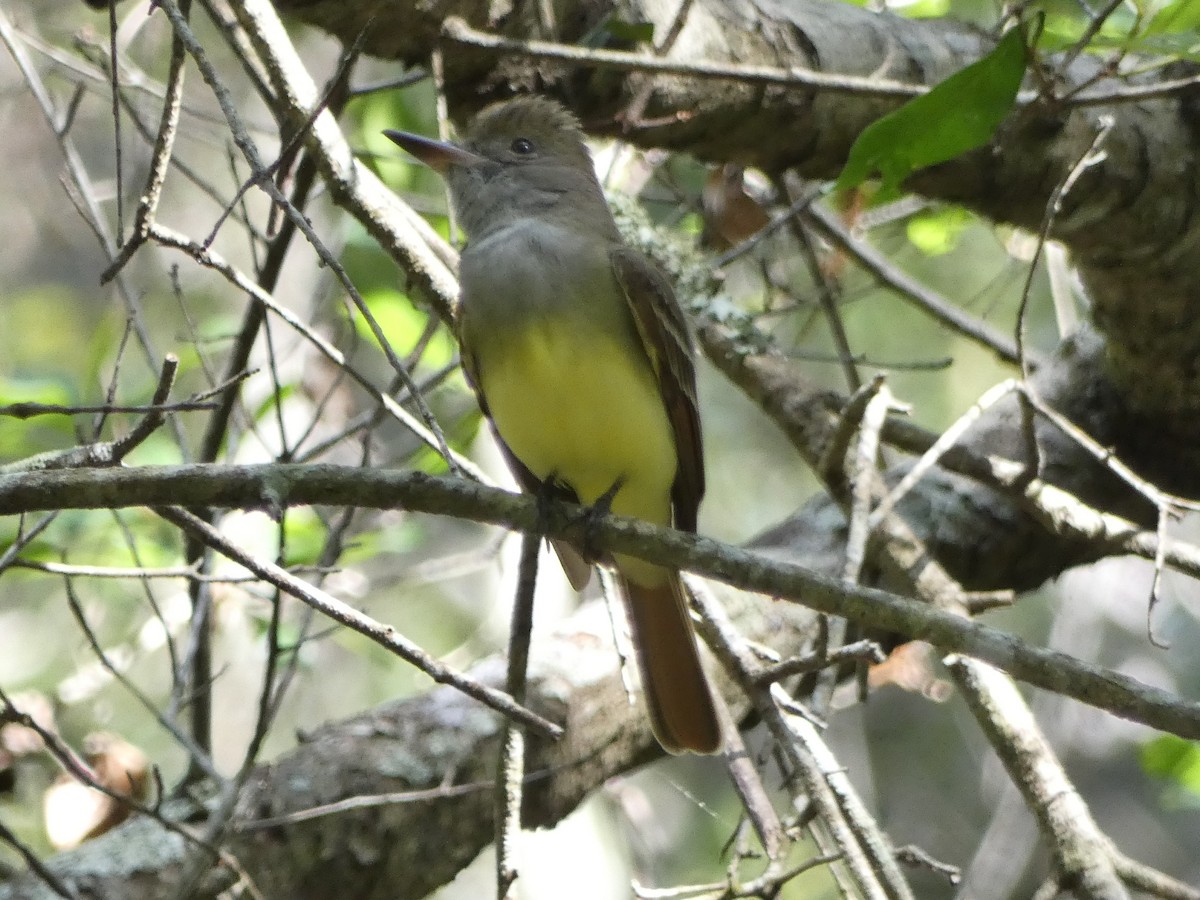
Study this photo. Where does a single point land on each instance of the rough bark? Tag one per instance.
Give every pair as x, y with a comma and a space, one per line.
1131, 220
440, 743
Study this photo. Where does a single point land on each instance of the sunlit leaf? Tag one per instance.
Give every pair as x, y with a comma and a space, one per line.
47, 391
267, 406
20, 438
1175, 760
957, 115
392, 109
160, 449
405, 536
403, 324
912, 9
921, 9
633, 32
429, 461
1171, 30
936, 232
1177, 17
304, 534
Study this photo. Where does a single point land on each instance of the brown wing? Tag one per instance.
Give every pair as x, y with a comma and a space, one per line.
667, 342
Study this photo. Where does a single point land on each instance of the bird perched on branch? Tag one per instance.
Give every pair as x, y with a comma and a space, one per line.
582, 360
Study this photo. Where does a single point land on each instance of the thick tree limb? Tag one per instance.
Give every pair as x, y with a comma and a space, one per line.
275, 486
1132, 221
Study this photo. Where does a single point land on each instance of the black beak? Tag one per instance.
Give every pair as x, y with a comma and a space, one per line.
438, 155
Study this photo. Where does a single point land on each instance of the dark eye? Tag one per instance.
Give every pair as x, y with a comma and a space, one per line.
522, 147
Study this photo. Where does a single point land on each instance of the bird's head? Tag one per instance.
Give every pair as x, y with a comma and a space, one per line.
520, 157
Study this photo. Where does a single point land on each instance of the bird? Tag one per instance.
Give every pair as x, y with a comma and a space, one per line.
581, 359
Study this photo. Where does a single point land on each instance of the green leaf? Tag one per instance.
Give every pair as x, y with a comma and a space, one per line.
1162, 29
614, 30
1173, 759
305, 535
957, 115
936, 232
1173, 30
1177, 17
634, 32
1058, 32
267, 406
429, 461
406, 536
403, 324
410, 109
912, 9
923, 9
33, 389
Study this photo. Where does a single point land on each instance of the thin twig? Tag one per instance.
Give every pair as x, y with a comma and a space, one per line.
160, 159
459, 31
1135, 94
511, 779
347, 615
821, 764
1081, 852
106, 453
211, 259
940, 447
31, 410
1107, 458
827, 289
751, 791
48, 877
118, 144
198, 756
79, 183
909, 288
1157, 884
721, 636
1085, 38
864, 479
1092, 156
261, 175
859, 651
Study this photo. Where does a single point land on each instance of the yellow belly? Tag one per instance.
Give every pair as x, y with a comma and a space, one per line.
586, 410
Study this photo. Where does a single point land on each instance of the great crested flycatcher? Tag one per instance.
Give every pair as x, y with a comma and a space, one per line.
582, 360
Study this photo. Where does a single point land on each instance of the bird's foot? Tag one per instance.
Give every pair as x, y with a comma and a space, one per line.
591, 520
550, 491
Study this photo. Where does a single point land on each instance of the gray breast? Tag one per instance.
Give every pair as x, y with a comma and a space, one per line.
532, 269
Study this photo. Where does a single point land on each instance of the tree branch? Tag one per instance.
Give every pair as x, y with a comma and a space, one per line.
275, 486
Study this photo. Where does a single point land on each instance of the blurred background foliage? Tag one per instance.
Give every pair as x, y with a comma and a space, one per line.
64, 339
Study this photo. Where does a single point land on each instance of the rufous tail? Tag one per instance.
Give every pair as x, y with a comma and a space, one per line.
677, 692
